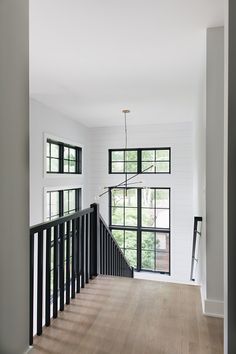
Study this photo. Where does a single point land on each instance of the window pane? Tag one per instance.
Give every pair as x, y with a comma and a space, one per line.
148, 199
66, 153
131, 239
148, 218
162, 167
54, 197
162, 262
162, 155
54, 150
117, 167
162, 198
72, 199
66, 166
117, 216
131, 167
148, 167
131, 155
48, 205
131, 256
54, 165
130, 197
72, 154
148, 241
117, 156
48, 164
148, 155
66, 201
162, 220
117, 197
148, 260
162, 242
72, 166
48, 149
119, 236
54, 204
131, 217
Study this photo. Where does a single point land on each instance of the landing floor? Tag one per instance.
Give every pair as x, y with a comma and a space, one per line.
131, 316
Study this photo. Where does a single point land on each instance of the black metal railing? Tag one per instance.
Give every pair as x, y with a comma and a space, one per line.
197, 231
64, 254
112, 259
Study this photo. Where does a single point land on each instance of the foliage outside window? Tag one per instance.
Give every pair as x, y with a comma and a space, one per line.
63, 158
156, 160
140, 222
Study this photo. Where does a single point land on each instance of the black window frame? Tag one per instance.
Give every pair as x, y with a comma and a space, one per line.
62, 159
140, 229
60, 192
139, 160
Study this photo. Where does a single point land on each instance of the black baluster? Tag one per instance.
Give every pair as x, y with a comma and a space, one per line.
40, 284
48, 277
82, 252
55, 272
87, 249
68, 262
101, 249
73, 259
31, 321
78, 247
61, 267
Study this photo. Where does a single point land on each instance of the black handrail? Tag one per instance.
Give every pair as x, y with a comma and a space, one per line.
80, 246
196, 237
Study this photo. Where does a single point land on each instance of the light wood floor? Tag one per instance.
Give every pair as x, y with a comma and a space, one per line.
131, 316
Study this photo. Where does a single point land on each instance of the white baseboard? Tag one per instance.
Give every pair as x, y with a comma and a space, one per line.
213, 308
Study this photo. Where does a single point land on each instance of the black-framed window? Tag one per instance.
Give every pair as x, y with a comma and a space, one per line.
63, 202
142, 160
140, 222
63, 158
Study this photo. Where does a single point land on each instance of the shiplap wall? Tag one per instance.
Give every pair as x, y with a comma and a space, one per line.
180, 138
44, 120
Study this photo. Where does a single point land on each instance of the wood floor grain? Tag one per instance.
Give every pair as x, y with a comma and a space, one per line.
130, 316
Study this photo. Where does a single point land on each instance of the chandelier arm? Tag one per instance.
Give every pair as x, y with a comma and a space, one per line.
125, 181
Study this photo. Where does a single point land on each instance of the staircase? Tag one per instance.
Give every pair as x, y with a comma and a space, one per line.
65, 254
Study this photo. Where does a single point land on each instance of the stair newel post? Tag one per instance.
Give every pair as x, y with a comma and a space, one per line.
95, 240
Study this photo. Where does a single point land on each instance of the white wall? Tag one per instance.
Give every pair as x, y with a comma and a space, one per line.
180, 138
45, 120
230, 243
214, 171
14, 176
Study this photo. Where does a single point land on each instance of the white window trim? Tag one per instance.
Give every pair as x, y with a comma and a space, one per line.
59, 188
47, 136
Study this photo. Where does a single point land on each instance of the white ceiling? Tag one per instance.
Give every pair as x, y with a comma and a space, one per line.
89, 59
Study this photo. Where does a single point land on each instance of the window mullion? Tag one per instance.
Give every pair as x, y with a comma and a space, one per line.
139, 156
61, 203
61, 158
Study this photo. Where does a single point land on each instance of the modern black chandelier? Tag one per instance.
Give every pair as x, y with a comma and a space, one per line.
126, 182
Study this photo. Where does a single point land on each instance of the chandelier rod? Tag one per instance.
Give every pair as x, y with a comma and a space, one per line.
126, 180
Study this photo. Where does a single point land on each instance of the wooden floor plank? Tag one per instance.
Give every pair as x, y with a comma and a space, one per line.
131, 316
